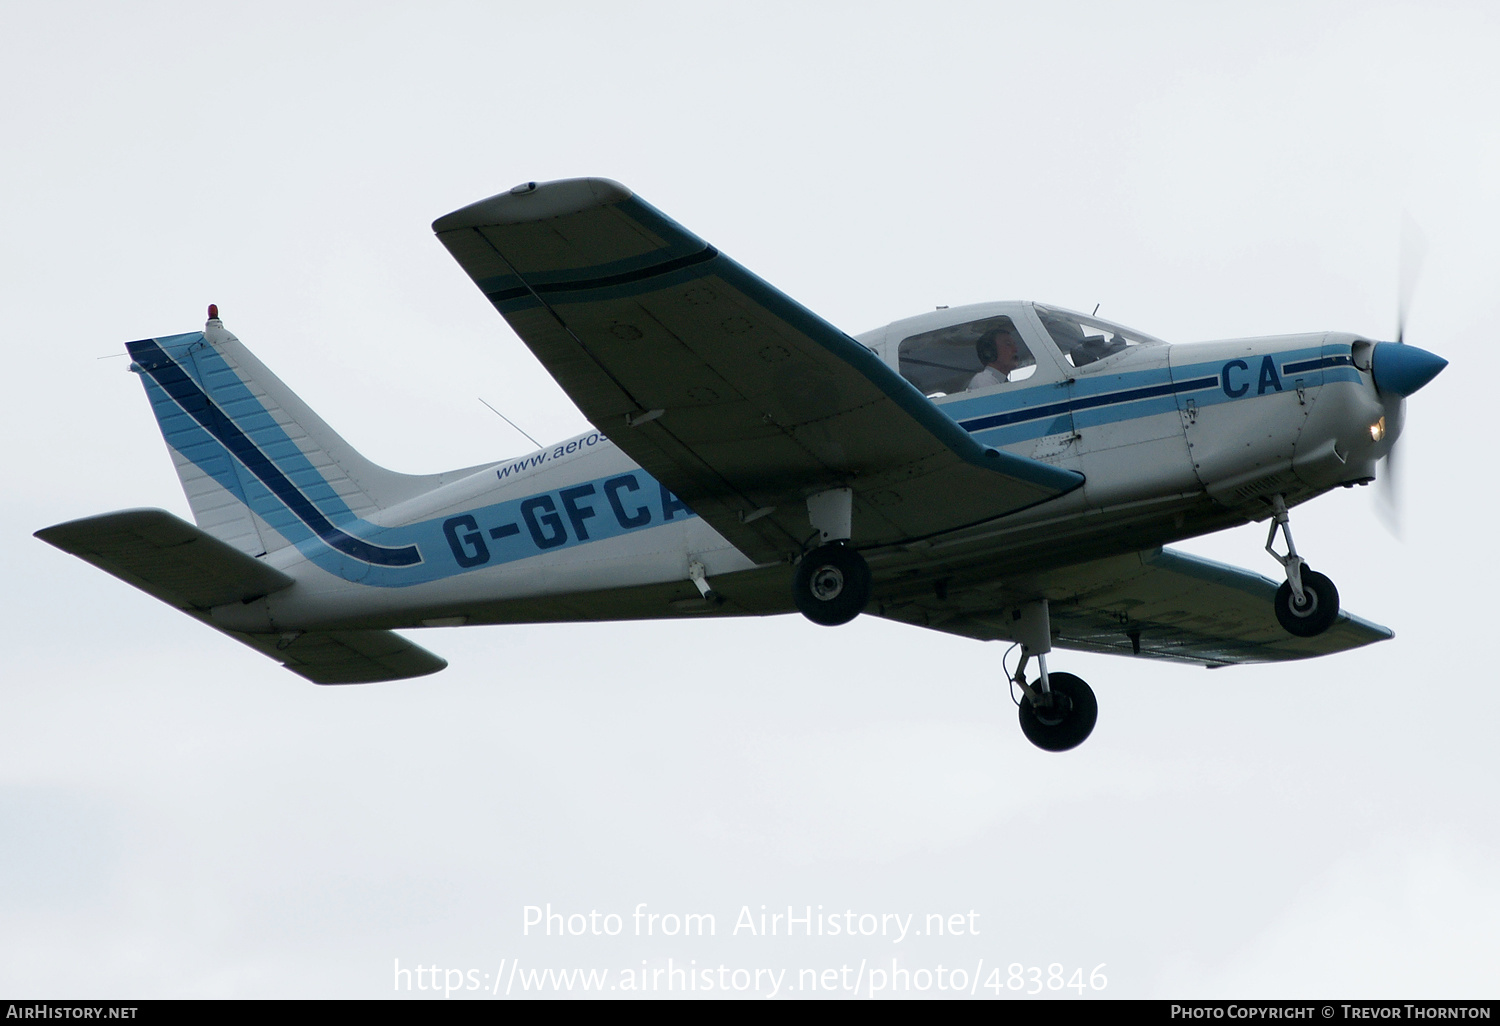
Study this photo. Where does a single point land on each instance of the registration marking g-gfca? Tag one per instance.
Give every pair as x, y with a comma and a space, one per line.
632, 501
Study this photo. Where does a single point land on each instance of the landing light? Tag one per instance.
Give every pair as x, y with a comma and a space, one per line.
1377, 429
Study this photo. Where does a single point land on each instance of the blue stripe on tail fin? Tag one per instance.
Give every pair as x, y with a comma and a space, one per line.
261, 470
273, 461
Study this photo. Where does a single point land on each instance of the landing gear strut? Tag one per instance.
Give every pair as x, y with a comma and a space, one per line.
1058, 710
1307, 603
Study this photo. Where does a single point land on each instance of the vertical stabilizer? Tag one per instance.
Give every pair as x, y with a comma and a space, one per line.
259, 467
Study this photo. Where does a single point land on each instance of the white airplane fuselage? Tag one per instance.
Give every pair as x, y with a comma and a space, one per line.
1172, 440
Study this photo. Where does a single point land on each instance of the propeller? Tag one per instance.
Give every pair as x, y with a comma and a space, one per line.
1388, 492
1411, 255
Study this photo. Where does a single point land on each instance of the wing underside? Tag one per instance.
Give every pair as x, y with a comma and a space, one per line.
739, 399
1160, 604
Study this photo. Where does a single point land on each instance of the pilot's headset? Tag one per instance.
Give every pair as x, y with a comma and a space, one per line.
987, 347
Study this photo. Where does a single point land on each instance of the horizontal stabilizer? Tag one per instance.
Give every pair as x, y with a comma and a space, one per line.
190, 569
166, 558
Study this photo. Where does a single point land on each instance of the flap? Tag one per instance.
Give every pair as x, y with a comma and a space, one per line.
737, 398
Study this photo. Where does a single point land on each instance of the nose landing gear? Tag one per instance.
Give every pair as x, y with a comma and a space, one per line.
1307, 603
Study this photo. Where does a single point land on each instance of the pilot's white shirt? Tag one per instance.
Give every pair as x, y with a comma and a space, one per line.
987, 377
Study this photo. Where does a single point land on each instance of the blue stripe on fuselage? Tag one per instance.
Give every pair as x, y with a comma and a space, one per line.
1080, 403
1099, 401
531, 525
1316, 364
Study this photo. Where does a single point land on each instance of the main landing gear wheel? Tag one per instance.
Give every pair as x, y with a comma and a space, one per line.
832, 585
1316, 612
1068, 721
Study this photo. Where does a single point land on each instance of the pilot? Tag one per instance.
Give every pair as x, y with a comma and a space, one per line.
1000, 352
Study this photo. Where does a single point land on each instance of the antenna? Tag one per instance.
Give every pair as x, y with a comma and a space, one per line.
512, 423
1096, 310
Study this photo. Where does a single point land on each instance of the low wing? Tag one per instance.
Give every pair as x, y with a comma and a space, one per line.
1163, 605
193, 571
737, 398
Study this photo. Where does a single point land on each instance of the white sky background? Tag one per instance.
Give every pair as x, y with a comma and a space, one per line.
179, 817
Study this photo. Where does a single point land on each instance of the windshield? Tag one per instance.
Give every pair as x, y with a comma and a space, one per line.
1085, 340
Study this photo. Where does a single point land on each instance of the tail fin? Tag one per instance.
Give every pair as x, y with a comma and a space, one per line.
259, 467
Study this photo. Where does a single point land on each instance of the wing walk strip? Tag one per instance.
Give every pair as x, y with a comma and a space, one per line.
153, 360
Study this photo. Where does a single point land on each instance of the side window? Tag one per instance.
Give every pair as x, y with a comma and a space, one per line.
963, 357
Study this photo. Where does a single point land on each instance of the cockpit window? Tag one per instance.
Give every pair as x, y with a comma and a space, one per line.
1085, 340
963, 357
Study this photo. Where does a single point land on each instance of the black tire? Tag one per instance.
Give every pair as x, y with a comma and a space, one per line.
1316, 614
1070, 720
832, 585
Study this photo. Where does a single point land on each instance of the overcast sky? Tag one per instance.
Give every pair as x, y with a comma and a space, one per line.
180, 817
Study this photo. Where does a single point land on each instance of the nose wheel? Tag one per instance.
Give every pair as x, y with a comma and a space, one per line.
1307, 603
1317, 610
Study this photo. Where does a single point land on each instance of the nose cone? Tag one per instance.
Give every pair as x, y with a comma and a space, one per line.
1403, 369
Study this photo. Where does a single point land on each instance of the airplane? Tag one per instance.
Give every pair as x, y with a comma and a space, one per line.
1008, 471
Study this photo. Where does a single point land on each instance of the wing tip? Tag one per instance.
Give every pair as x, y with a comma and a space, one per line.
325, 678
535, 201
